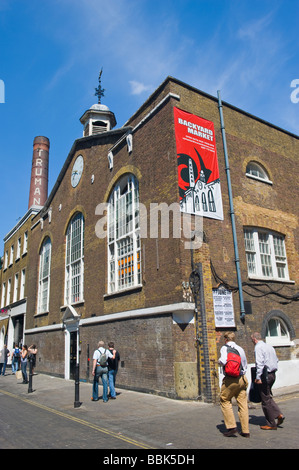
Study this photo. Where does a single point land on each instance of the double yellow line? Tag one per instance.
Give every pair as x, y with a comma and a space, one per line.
80, 421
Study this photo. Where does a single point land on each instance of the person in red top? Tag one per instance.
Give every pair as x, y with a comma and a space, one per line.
234, 387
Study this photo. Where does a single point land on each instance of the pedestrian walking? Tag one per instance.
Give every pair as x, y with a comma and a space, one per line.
1, 360
4, 354
100, 369
112, 369
266, 366
234, 362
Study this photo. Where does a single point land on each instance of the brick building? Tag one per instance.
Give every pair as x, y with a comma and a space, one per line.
98, 270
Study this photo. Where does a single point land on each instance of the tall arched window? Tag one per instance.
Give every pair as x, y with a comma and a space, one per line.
74, 268
124, 254
44, 276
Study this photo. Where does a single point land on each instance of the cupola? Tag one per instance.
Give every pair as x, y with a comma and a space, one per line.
98, 118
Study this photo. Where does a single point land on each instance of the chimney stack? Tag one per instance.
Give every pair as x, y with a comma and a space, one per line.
39, 174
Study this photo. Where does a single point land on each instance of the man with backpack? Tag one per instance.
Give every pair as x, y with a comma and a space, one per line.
234, 362
15, 359
100, 369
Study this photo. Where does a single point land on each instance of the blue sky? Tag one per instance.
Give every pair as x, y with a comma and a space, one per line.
51, 52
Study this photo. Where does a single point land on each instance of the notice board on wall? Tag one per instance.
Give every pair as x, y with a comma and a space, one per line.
223, 308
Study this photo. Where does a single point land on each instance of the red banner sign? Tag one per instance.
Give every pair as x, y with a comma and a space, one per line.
198, 173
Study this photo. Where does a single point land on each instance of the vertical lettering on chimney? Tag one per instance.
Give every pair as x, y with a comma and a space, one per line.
38, 193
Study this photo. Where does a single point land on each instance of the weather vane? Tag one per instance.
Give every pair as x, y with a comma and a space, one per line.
99, 92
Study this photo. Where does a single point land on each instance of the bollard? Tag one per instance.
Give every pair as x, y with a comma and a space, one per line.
30, 390
77, 402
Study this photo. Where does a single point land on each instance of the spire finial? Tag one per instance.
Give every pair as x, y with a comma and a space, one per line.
99, 91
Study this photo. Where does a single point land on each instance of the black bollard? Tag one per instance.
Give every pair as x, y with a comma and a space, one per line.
30, 390
77, 402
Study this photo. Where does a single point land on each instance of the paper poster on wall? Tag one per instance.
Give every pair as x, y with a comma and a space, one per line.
198, 173
223, 308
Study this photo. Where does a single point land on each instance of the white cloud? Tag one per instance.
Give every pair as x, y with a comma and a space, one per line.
138, 88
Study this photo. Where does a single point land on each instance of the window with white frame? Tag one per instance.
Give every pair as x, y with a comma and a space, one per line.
11, 255
44, 277
277, 333
8, 292
25, 245
15, 288
257, 171
3, 295
22, 286
6, 259
265, 254
74, 269
18, 249
124, 253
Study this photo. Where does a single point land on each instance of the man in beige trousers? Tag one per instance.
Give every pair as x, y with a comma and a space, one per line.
234, 387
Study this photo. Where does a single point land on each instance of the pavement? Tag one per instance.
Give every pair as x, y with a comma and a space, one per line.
148, 421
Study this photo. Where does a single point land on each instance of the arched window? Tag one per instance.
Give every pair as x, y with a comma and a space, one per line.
124, 254
44, 276
74, 267
277, 329
277, 332
257, 171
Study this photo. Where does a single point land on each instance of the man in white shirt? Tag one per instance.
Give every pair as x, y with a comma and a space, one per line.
101, 370
234, 387
266, 367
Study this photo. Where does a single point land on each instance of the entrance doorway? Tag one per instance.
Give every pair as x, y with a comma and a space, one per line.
18, 324
71, 322
73, 354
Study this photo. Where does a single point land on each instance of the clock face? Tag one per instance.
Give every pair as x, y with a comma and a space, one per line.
77, 171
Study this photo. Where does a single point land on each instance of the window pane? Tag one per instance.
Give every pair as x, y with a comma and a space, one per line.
280, 256
250, 251
250, 257
273, 327
283, 330
265, 254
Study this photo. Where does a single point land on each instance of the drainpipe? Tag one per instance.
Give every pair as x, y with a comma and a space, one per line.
232, 212
197, 287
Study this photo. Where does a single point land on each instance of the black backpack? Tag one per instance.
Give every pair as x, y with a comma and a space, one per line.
16, 353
